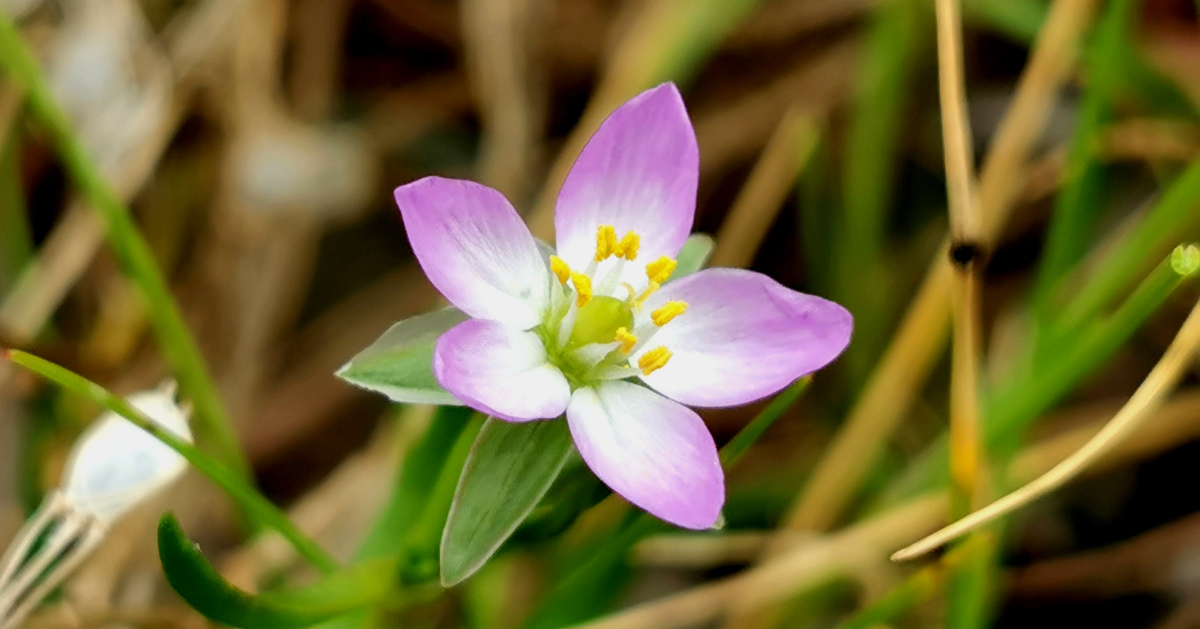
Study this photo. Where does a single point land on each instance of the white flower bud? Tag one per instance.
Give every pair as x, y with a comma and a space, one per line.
115, 465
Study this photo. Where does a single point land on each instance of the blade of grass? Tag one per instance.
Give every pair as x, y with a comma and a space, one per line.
1013, 405
130, 248
1019, 20
1168, 221
16, 242
254, 504
878, 112
918, 342
1079, 200
1148, 398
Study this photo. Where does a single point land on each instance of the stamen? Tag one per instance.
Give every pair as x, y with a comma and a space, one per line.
606, 243
583, 286
629, 245
641, 299
668, 311
560, 269
660, 270
626, 339
654, 360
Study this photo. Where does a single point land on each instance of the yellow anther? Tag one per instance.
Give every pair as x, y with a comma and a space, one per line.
560, 269
629, 245
661, 269
626, 339
606, 243
583, 286
663, 314
654, 360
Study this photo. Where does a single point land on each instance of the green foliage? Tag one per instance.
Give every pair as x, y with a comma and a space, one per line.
130, 248
255, 505
400, 363
509, 470
199, 583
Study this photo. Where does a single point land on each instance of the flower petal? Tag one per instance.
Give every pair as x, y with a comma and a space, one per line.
637, 173
475, 249
657, 454
744, 336
500, 371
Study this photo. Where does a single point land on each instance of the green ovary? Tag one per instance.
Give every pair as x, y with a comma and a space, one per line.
599, 320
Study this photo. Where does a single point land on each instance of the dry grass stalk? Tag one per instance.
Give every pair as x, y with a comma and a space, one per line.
760, 200
1149, 397
906, 363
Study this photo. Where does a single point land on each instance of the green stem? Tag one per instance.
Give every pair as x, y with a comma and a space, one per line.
733, 451
1177, 211
1074, 356
16, 243
250, 500
1077, 204
1071, 356
131, 250
916, 589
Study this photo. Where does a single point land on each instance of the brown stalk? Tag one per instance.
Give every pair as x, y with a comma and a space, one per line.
759, 202
1148, 398
907, 361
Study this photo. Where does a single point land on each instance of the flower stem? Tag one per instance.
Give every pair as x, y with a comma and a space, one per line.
132, 252
736, 447
254, 504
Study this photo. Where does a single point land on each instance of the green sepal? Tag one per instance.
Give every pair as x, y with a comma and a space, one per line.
400, 363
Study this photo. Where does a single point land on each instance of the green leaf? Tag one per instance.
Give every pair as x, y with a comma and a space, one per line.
414, 482
199, 583
695, 254
510, 468
400, 363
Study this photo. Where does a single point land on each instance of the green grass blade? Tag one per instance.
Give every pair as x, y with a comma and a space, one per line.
254, 504
1078, 202
131, 250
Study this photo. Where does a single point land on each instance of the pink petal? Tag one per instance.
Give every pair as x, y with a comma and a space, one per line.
657, 454
637, 173
475, 249
743, 337
500, 370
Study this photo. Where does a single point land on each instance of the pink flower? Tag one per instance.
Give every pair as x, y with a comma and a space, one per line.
595, 331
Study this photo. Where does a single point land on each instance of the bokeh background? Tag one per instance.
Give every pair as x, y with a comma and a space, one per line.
257, 143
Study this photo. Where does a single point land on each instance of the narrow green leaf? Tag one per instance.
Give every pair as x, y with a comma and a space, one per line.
422, 545
510, 468
414, 481
199, 583
132, 251
695, 254
400, 363
252, 502
16, 243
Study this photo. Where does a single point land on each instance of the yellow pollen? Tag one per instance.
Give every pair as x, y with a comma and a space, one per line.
560, 269
626, 339
654, 360
583, 286
663, 314
629, 245
661, 269
606, 243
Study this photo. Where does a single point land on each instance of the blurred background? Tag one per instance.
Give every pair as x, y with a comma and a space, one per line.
257, 143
